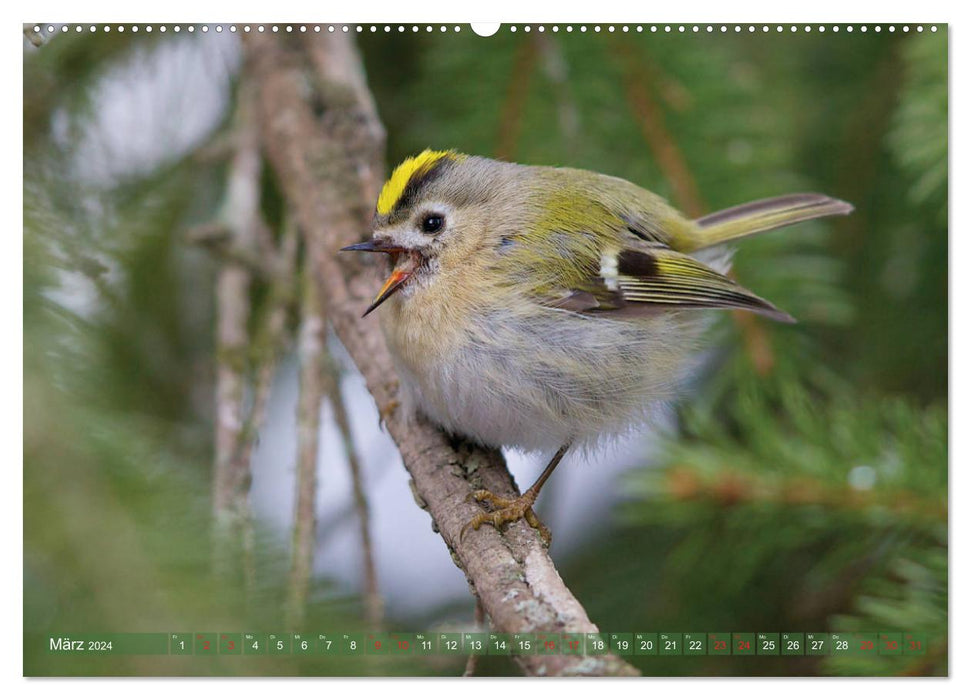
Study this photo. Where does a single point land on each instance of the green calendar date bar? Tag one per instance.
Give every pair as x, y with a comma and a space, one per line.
695, 644
891, 644
524, 644
914, 644
392, 643
492, 643
853, 643
279, 643
401, 643
327, 644
669, 643
572, 643
476, 643
230, 643
424, 643
254, 643
743, 643
719, 643
767, 644
352, 644
793, 644
303, 644
645, 643
205, 644
596, 644
500, 644
376, 644
622, 643
100, 644
549, 643
817, 644
450, 643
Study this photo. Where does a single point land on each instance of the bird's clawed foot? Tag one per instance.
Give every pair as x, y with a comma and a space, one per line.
386, 410
507, 510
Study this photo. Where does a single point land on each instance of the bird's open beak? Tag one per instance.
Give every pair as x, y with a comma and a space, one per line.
375, 245
399, 274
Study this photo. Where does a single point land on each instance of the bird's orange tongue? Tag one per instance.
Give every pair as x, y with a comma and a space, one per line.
402, 271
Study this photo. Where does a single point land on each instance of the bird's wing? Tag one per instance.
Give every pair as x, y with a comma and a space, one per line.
605, 246
644, 278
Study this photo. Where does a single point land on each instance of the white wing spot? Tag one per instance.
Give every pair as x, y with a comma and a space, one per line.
608, 270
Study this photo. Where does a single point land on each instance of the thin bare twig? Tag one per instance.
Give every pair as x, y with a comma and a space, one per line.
272, 337
312, 388
339, 64
373, 604
218, 239
327, 150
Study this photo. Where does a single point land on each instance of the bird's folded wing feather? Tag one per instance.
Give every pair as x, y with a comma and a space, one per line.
639, 280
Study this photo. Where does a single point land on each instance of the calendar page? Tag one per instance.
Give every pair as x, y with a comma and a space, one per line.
374, 349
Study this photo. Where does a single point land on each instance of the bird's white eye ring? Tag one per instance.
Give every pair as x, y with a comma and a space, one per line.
432, 223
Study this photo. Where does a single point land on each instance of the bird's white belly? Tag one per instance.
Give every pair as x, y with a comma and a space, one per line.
542, 379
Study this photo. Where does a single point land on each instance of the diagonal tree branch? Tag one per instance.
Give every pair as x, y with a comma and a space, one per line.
323, 139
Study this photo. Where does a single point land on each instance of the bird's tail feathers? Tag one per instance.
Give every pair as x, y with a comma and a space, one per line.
762, 215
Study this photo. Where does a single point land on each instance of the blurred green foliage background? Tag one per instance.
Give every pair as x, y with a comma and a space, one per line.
805, 488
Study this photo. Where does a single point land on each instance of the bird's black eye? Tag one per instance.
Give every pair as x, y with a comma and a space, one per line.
432, 223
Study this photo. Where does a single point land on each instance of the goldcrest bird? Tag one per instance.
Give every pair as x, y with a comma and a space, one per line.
543, 308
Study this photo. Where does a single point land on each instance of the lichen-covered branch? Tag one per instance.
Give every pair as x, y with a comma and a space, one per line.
323, 139
246, 362
231, 472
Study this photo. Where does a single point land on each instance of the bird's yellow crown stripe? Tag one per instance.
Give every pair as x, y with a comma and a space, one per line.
416, 165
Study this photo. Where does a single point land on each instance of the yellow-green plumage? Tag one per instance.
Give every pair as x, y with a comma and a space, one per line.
551, 306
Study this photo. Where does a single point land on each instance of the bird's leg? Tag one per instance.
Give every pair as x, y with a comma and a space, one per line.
508, 510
